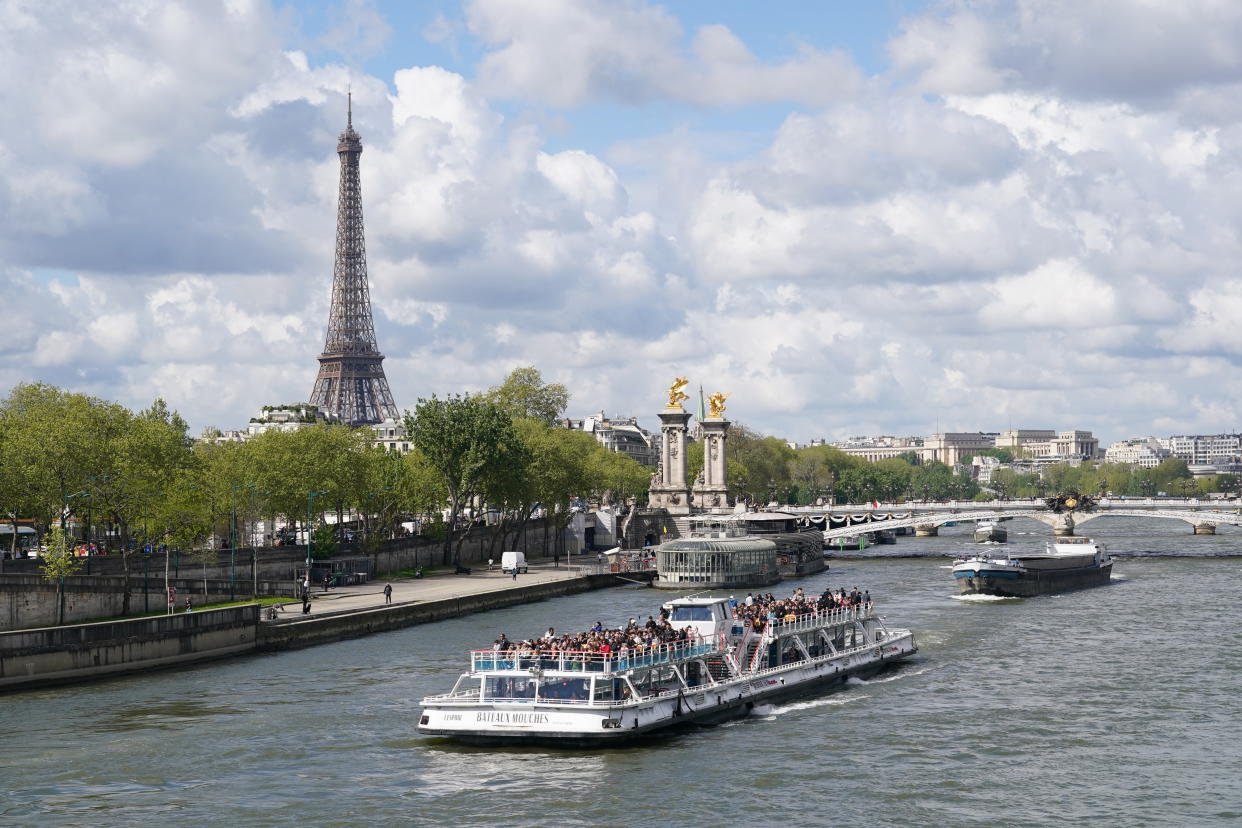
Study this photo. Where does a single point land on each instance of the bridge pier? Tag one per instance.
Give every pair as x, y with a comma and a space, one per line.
1063, 525
928, 531
1205, 528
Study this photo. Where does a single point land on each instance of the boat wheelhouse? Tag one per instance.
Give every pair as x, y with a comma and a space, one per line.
721, 670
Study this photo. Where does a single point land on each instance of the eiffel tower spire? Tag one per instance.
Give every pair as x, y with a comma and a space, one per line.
351, 382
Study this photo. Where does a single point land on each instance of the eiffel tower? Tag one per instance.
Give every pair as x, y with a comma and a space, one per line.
351, 382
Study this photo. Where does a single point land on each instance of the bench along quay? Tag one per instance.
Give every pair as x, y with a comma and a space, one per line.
703, 663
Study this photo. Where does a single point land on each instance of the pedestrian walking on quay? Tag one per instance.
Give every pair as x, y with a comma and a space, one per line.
189, 605
387, 593
515, 572
327, 581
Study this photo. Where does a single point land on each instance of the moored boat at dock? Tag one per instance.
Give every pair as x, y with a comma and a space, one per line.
717, 666
1067, 563
990, 531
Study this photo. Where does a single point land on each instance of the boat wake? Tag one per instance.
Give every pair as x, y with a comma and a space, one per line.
885, 679
983, 599
771, 711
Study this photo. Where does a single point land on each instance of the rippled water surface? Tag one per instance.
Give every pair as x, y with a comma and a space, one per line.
1120, 706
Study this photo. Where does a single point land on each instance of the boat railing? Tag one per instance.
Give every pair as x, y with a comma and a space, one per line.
815, 620
580, 661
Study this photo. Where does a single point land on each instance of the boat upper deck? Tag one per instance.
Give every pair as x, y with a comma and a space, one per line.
581, 661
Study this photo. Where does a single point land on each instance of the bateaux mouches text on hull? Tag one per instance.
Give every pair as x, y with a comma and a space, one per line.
1067, 564
705, 661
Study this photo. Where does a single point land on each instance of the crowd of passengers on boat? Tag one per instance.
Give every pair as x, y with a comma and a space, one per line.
631, 639
759, 611
658, 637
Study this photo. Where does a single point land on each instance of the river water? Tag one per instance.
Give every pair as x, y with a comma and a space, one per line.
1120, 705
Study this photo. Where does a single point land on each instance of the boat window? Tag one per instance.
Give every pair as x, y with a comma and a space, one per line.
692, 613
467, 684
499, 687
607, 690
565, 690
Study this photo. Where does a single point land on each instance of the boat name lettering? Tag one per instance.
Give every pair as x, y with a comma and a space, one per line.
512, 718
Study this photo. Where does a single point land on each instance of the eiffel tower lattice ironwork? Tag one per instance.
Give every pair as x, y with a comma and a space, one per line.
351, 382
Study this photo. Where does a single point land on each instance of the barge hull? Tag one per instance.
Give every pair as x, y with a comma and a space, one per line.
1034, 581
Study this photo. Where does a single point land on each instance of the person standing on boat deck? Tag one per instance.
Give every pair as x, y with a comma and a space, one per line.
867, 596
750, 599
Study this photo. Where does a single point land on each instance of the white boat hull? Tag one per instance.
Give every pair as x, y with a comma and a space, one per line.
592, 725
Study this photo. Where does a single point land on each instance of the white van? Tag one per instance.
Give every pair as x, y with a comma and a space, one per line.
510, 561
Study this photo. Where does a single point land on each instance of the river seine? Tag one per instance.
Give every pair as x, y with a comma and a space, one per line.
1115, 706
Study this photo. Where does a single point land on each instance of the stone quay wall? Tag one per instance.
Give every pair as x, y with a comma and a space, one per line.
54, 655
28, 601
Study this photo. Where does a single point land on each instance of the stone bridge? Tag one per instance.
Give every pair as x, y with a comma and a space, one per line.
926, 518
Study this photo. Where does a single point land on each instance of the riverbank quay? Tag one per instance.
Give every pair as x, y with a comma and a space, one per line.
85, 652
354, 612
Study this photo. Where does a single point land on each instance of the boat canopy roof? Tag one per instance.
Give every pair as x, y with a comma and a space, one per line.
744, 544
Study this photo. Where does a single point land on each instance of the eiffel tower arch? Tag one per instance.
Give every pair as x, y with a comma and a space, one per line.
351, 382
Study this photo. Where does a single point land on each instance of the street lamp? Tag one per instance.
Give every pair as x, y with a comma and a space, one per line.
310, 500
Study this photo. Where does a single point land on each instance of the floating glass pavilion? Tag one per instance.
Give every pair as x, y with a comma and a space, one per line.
718, 554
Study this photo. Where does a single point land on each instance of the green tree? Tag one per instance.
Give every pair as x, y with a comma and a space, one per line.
758, 466
524, 394
50, 437
465, 439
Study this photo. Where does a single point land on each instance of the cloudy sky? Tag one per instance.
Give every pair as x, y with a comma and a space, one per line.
881, 217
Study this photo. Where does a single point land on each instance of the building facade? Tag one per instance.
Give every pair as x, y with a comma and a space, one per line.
950, 447
622, 435
1205, 449
1147, 452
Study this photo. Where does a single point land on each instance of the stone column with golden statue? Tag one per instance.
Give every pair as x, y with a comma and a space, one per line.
669, 489
711, 489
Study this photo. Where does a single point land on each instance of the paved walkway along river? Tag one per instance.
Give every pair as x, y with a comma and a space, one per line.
435, 587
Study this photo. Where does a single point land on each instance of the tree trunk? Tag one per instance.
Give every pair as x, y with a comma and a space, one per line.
454, 505
460, 542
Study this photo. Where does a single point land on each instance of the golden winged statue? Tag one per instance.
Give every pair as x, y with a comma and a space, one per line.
676, 395
716, 402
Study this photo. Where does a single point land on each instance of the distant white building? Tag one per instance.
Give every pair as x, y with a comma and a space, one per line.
1146, 452
950, 447
390, 434
982, 468
620, 434
1015, 439
289, 417
1205, 449
874, 449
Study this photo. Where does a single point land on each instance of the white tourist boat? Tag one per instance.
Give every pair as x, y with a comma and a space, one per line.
723, 671
1067, 563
